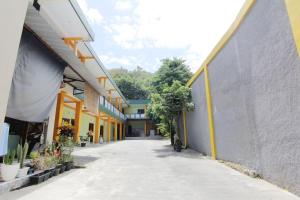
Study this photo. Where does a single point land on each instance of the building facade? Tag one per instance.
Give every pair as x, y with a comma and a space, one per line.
246, 94
138, 123
52, 76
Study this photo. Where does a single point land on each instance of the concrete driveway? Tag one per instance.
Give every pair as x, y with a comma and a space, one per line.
149, 170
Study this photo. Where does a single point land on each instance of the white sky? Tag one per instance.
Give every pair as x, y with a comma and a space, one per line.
142, 32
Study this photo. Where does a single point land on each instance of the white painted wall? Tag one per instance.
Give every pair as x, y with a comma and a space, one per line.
50, 129
12, 16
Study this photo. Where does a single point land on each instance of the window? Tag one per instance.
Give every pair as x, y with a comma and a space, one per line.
141, 111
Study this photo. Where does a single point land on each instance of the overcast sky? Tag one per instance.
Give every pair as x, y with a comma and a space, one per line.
132, 33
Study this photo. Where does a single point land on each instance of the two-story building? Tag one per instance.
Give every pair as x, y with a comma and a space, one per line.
138, 123
50, 74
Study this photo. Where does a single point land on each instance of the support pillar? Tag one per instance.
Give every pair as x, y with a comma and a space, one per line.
145, 127
13, 14
78, 114
108, 128
97, 130
58, 114
210, 114
116, 131
121, 131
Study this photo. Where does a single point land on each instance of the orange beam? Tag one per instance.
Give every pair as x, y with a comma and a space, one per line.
78, 113
84, 58
70, 97
72, 43
108, 129
58, 115
97, 129
121, 131
116, 131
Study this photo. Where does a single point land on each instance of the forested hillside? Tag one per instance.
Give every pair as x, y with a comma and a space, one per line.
133, 84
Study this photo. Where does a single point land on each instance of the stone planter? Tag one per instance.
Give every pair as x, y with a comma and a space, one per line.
9, 172
22, 172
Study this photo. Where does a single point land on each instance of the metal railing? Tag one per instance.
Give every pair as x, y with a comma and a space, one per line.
105, 104
136, 116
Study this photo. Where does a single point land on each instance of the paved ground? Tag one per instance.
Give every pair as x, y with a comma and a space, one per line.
149, 170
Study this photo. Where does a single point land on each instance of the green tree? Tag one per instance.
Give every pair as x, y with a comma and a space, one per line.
170, 96
133, 84
130, 89
170, 70
176, 99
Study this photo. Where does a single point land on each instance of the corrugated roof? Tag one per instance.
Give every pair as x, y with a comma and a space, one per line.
139, 101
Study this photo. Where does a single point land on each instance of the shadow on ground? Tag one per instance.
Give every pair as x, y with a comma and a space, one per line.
168, 151
84, 160
156, 137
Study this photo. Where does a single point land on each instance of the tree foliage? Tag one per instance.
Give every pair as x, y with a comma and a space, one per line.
170, 70
133, 84
170, 95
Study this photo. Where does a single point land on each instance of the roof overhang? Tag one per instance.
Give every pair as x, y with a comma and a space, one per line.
59, 19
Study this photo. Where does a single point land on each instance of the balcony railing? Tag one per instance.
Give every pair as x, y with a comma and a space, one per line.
111, 108
105, 105
136, 116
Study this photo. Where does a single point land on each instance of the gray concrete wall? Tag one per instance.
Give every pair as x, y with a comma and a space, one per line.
197, 121
255, 88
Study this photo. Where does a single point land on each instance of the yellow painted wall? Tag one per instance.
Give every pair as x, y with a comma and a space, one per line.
293, 8
69, 113
133, 108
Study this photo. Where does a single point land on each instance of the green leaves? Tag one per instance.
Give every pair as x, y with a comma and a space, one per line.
9, 157
170, 94
170, 70
133, 84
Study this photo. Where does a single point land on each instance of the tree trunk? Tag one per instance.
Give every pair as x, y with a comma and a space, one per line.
171, 132
177, 125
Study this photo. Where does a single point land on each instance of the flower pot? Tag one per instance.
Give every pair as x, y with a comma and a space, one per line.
62, 169
9, 172
22, 172
31, 171
38, 178
82, 144
47, 176
69, 165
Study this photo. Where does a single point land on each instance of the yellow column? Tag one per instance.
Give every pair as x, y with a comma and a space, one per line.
104, 130
108, 128
97, 129
210, 114
78, 113
121, 129
116, 131
145, 127
293, 10
58, 114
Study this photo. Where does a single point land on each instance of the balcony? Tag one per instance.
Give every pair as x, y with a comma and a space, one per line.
108, 108
136, 116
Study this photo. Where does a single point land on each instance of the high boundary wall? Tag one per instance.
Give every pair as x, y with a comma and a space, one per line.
255, 91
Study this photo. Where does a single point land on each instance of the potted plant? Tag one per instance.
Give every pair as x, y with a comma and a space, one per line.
83, 141
21, 155
41, 163
68, 162
9, 169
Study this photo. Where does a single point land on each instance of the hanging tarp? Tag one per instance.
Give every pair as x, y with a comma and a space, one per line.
36, 81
